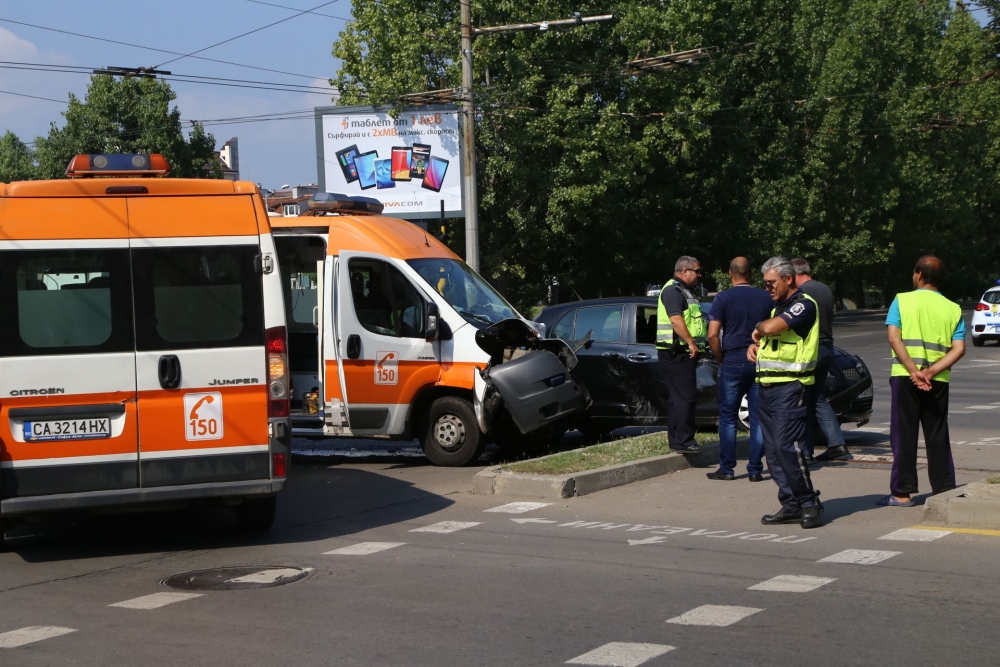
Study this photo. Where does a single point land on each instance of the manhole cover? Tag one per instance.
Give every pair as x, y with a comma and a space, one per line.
236, 578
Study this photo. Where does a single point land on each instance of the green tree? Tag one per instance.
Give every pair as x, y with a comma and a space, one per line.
16, 159
128, 115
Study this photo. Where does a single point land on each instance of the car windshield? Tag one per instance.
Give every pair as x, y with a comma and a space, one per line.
465, 290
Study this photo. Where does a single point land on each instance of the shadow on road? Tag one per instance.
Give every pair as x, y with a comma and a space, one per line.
318, 503
837, 508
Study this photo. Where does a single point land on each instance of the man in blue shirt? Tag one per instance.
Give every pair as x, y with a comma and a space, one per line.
735, 312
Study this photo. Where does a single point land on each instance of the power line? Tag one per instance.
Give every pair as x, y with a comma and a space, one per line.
295, 9
250, 32
150, 48
35, 97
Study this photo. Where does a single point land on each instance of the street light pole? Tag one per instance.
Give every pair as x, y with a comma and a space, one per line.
469, 143
469, 113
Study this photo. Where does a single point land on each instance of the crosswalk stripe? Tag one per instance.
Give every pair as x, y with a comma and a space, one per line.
712, 614
363, 548
859, 556
621, 654
792, 583
446, 527
518, 508
155, 600
32, 634
915, 535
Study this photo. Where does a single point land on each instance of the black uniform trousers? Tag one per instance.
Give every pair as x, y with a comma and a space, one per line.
783, 409
676, 383
911, 409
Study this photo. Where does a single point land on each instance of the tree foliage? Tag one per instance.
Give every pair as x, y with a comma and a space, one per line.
130, 115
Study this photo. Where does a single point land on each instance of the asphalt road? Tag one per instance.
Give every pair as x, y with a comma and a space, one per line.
670, 571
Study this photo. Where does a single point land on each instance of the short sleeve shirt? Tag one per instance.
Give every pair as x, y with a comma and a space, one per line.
739, 309
799, 312
894, 319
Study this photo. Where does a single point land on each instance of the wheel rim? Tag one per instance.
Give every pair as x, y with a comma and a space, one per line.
449, 432
744, 413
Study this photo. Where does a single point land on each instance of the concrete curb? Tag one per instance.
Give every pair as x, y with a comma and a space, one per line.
955, 508
499, 482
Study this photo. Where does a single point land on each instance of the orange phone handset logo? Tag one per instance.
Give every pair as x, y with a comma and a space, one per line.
194, 410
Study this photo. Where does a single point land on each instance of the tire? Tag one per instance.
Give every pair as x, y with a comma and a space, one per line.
257, 514
451, 435
978, 342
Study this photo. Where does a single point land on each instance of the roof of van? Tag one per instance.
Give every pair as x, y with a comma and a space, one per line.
377, 234
97, 187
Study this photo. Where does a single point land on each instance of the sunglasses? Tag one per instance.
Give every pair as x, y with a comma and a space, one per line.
769, 284
697, 271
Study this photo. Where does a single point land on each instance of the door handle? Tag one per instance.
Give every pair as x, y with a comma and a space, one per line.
639, 356
170, 371
353, 346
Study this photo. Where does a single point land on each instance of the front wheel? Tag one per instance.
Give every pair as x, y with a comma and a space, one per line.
451, 436
978, 342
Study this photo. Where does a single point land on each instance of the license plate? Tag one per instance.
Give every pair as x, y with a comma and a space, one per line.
68, 429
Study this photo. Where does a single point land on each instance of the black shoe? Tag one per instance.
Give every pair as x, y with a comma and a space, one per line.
685, 450
784, 515
719, 475
838, 452
809, 459
811, 516
755, 478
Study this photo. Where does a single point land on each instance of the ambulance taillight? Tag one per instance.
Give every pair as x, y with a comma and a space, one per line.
278, 465
277, 373
117, 164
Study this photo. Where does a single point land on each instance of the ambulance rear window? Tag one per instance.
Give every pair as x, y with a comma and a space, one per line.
65, 302
187, 297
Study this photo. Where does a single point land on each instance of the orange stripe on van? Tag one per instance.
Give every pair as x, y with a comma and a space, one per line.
413, 376
39, 219
165, 217
11, 450
162, 420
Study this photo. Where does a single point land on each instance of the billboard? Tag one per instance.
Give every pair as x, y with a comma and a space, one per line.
410, 163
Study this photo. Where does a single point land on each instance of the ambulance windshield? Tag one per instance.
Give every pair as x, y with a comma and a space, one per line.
465, 290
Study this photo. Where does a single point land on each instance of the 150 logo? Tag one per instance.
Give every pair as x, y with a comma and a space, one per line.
387, 368
203, 416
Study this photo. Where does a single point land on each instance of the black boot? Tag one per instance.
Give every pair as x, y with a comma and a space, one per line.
811, 516
784, 515
838, 452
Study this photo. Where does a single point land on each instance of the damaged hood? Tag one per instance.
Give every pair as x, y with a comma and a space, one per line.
500, 340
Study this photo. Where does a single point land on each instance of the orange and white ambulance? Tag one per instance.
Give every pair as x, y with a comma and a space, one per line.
143, 350
391, 335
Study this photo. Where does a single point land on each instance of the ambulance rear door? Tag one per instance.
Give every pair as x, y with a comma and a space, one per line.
200, 340
67, 356
331, 302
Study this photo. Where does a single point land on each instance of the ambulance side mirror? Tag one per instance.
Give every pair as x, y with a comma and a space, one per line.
432, 325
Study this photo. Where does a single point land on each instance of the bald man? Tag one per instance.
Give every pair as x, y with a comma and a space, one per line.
735, 312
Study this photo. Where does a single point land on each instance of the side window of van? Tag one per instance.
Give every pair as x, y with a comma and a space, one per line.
386, 302
201, 296
65, 302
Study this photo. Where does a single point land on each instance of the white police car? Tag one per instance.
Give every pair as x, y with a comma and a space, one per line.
986, 317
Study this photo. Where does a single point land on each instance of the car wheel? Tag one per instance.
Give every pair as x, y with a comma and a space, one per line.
978, 342
451, 435
257, 514
744, 413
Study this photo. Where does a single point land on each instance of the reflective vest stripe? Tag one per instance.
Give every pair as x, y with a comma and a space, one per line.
787, 365
928, 322
919, 361
927, 345
787, 357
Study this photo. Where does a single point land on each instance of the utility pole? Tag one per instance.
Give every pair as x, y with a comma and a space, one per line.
469, 113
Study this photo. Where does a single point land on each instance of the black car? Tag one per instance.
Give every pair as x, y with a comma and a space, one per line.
614, 366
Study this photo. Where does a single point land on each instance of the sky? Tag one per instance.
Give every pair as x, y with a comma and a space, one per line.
272, 153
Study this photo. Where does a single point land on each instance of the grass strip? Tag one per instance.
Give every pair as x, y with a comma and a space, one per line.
607, 454
995, 479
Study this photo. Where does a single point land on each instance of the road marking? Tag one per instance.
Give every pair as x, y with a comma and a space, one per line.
963, 531
31, 634
885, 423
518, 508
156, 600
712, 614
869, 429
656, 539
982, 407
446, 527
363, 548
911, 535
659, 533
621, 654
267, 576
859, 557
961, 412
522, 521
792, 583
998, 403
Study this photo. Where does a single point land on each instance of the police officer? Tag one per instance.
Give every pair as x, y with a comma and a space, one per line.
680, 338
786, 349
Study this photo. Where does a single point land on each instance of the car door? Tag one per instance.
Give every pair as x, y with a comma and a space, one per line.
641, 355
601, 363
386, 357
67, 354
200, 340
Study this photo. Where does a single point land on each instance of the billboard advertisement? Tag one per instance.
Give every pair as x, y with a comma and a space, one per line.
410, 163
